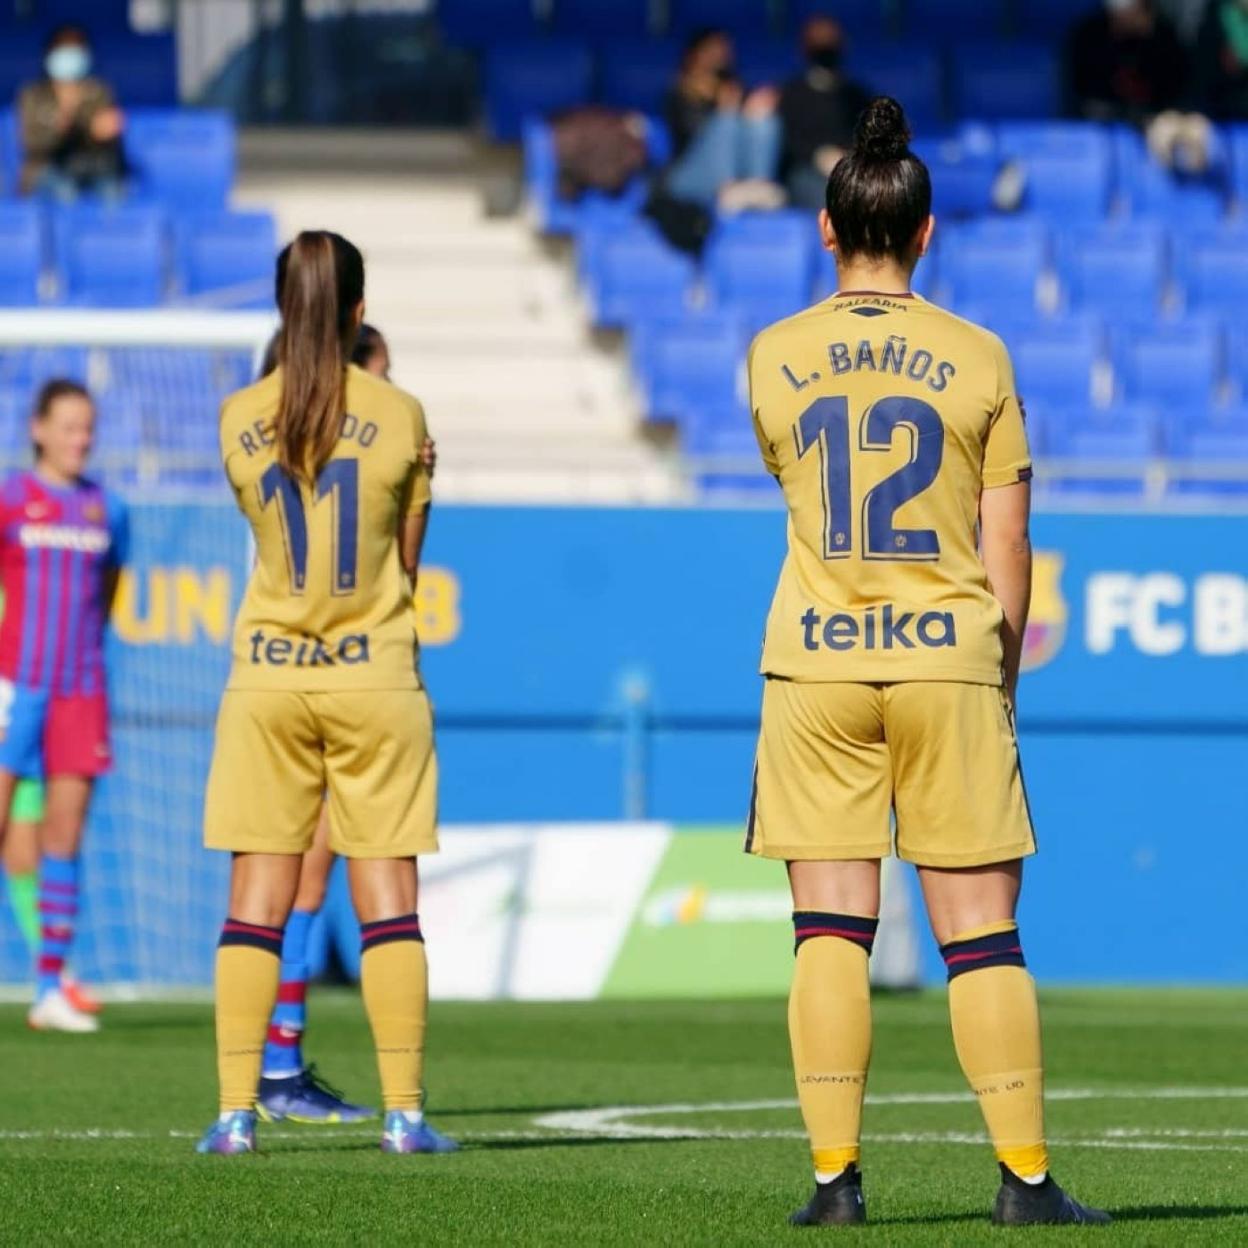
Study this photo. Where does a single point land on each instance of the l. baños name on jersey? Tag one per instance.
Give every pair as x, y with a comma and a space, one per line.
880, 628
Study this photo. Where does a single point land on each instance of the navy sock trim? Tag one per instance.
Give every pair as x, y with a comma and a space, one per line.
405, 927
998, 949
234, 932
809, 924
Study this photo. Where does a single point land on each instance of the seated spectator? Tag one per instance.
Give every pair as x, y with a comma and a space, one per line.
818, 111
1126, 63
71, 126
1222, 60
726, 143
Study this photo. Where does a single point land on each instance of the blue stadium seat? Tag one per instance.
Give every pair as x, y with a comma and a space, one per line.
21, 252
15, 408
947, 21
636, 274
760, 264
862, 19
1067, 167
768, 63
1153, 193
685, 365
1055, 362
1053, 19
911, 73
1212, 450
750, 18
998, 81
598, 218
183, 158
1211, 268
10, 152
1117, 444
481, 23
112, 256
592, 19
1119, 269
143, 69
27, 368
534, 79
229, 255
119, 429
21, 61
962, 176
1237, 155
995, 262
638, 74
1177, 363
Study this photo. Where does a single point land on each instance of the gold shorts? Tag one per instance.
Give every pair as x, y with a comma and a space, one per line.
279, 755
835, 759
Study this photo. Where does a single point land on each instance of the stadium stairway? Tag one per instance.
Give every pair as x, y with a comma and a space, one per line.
484, 325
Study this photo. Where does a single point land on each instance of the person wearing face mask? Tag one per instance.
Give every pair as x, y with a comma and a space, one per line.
726, 141
1222, 60
818, 110
71, 126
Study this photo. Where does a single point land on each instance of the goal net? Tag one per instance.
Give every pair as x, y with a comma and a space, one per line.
152, 897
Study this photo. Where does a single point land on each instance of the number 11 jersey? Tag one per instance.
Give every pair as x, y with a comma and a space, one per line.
883, 418
328, 606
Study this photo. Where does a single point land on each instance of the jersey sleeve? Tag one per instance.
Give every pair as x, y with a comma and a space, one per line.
419, 486
765, 447
1007, 458
119, 531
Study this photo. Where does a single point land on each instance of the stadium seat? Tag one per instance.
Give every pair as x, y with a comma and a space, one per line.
1052, 19
911, 73
27, 368
21, 61
1177, 363
686, 364
1153, 193
636, 273
184, 158
112, 257
599, 217
1212, 450
637, 75
1119, 269
862, 19
21, 252
749, 18
1211, 269
1237, 157
998, 81
534, 79
962, 177
947, 21
1067, 166
591, 19
995, 262
1118, 446
1055, 362
119, 429
10, 152
143, 69
481, 23
229, 256
768, 63
759, 264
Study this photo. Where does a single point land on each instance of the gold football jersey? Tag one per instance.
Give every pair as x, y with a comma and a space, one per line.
883, 418
328, 605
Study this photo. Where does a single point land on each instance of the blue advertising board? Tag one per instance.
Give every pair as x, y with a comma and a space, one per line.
594, 664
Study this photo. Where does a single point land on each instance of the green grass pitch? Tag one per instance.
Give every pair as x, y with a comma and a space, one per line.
1148, 1116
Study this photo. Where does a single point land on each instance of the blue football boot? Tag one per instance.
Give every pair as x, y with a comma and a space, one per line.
402, 1135
230, 1136
307, 1098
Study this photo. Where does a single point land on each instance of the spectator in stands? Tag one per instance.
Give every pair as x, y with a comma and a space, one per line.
1126, 63
726, 143
1222, 60
71, 125
818, 111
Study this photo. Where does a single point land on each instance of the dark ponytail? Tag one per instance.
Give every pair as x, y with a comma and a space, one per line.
880, 194
320, 283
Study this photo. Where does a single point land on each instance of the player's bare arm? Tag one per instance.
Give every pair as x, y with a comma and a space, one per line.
1004, 520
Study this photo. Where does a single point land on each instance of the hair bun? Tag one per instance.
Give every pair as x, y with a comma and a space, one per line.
882, 132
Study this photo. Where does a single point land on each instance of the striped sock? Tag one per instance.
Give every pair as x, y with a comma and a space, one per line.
394, 978
58, 911
248, 962
283, 1050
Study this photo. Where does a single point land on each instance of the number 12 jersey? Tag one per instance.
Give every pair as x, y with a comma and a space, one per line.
328, 606
883, 418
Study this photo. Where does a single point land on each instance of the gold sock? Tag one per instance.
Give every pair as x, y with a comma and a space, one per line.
249, 960
996, 1031
830, 1031
394, 978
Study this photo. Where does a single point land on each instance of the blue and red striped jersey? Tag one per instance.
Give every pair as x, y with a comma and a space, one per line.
58, 545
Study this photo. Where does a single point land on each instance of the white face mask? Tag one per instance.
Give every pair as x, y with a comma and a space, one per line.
71, 62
